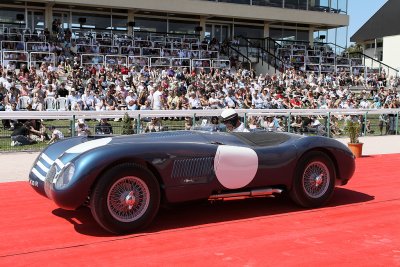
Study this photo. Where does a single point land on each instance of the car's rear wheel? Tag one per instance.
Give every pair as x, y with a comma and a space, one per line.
314, 180
126, 198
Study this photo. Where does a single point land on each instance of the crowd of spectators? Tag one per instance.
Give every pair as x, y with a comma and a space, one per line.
123, 88
71, 85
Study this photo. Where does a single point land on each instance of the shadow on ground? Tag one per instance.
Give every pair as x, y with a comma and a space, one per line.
198, 214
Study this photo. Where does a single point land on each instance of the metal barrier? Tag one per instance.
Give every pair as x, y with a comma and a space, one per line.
118, 60
221, 64
160, 61
13, 45
138, 61
373, 122
92, 59
37, 58
18, 57
37, 47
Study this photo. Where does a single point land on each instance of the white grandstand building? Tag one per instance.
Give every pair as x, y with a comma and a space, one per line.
380, 35
267, 34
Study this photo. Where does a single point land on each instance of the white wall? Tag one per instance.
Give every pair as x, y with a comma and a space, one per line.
391, 51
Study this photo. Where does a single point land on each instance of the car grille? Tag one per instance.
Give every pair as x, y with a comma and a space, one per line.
42, 166
196, 170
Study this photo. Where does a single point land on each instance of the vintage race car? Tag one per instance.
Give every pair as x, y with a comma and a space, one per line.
125, 179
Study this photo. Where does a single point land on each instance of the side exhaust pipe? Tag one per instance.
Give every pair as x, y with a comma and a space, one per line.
267, 192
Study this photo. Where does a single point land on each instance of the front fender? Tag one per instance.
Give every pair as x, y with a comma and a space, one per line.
92, 164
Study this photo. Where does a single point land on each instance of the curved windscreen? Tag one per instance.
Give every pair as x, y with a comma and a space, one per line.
263, 138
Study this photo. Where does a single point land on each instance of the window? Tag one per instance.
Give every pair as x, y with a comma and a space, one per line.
183, 27
151, 24
119, 22
9, 15
93, 21
249, 31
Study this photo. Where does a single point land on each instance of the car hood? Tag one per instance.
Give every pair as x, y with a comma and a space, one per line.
79, 146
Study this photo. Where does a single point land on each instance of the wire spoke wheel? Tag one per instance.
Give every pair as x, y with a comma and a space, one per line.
128, 199
316, 179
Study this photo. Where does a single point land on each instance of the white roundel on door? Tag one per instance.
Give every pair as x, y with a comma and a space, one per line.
235, 167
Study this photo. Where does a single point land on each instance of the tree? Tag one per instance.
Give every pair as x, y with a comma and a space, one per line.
355, 48
127, 127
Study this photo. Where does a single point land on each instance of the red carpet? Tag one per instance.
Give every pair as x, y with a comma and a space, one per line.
360, 227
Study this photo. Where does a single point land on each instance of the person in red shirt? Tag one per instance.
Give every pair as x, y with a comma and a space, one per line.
295, 101
124, 70
93, 70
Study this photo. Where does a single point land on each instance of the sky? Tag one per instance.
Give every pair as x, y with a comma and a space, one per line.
360, 11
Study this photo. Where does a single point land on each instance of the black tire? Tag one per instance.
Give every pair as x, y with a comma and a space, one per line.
314, 180
125, 199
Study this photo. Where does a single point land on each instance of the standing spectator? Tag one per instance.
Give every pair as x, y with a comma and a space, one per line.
158, 100
383, 121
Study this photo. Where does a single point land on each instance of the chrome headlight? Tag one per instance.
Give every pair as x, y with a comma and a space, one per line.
65, 176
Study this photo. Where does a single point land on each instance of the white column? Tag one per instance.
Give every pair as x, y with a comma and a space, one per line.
48, 16
266, 29
311, 36
131, 18
202, 24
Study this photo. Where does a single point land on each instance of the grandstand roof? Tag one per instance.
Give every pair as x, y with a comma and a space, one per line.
385, 22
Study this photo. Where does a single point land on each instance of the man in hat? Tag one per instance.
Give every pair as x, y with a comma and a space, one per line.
230, 118
81, 128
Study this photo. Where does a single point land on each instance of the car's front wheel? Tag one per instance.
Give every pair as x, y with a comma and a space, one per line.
125, 199
314, 180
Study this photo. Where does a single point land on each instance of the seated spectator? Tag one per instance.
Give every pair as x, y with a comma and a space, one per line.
253, 123
215, 124
81, 128
37, 130
271, 124
297, 124
103, 127
153, 126
315, 126
295, 102
188, 123
55, 135
20, 135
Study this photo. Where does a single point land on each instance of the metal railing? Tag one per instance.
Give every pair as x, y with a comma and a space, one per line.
270, 51
373, 121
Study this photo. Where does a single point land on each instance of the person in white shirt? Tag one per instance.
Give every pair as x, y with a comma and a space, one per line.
194, 101
230, 118
214, 102
55, 135
158, 99
88, 100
